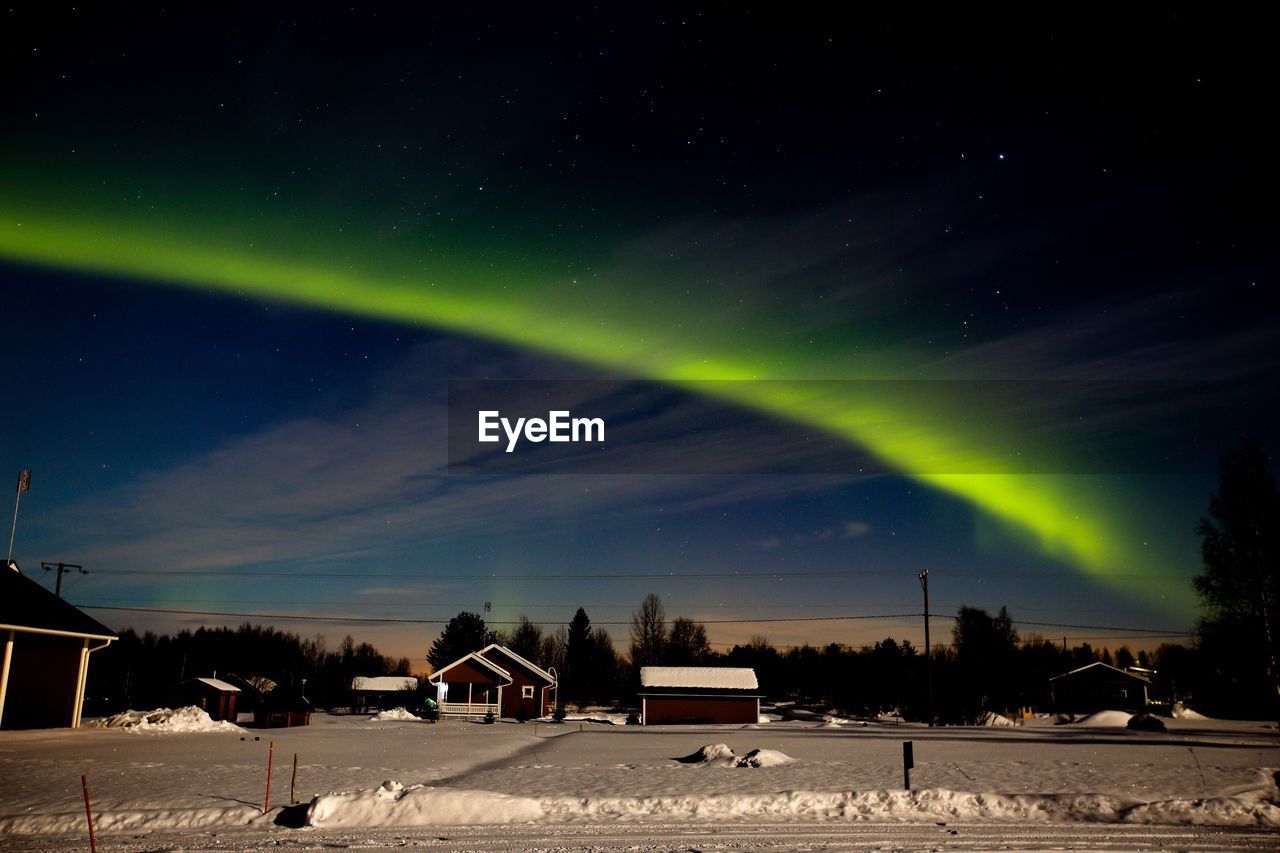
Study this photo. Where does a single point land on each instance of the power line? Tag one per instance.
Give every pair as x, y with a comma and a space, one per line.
496, 604
407, 602
422, 576
406, 621
1093, 627
626, 575
383, 619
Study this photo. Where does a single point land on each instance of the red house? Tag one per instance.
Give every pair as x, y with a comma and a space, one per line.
45, 645
494, 680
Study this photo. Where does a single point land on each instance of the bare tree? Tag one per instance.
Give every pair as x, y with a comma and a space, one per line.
648, 632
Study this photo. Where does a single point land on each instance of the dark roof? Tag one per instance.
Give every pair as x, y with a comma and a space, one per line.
286, 699
1098, 668
525, 664
26, 604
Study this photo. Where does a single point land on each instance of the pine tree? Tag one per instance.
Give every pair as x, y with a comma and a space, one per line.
578, 655
464, 634
526, 640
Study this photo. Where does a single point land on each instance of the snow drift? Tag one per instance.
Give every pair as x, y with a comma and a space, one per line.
720, 755
396, 714
420, 805
392, 804
1105, 720
166, 720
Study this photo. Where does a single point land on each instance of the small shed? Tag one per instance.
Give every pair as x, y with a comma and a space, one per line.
381, 692
252, 689
215, 697
284, 707
1099, 687
47, 644
698, 694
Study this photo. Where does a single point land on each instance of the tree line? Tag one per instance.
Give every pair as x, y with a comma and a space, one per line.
988, 666
140, 670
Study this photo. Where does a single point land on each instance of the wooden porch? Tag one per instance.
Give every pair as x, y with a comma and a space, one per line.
469, 709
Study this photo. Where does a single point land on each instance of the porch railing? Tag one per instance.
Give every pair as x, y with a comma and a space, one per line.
468, 709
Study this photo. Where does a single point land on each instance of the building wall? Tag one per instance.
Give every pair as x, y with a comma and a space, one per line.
1087, 692
217, 704
701, 709
43, 677
484, 684
513, 701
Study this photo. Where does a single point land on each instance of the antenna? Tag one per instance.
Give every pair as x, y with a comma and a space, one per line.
24, 485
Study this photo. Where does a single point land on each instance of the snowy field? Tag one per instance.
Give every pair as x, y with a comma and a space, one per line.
365, 781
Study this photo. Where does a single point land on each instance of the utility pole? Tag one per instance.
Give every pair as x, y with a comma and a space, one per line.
928, 649
62, 569
24, 485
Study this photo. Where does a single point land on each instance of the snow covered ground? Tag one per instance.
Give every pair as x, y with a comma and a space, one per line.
359, 773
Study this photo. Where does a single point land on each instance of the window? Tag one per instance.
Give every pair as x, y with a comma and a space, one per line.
526, 692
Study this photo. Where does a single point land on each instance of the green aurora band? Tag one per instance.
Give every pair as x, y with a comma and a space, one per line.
648, 329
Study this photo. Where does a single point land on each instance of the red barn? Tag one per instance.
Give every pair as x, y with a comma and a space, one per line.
494, 680
44, 662
698, 694
212, 695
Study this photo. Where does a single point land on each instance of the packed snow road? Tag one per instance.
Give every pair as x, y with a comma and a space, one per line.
781, 837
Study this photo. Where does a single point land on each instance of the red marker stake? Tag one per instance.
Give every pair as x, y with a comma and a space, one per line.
88, 813
266, 803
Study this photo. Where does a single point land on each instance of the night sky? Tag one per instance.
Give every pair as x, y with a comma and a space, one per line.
243, 252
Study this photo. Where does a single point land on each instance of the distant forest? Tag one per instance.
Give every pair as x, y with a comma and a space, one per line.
987, 665
140, 671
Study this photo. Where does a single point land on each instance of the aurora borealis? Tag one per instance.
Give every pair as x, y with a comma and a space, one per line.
556, 199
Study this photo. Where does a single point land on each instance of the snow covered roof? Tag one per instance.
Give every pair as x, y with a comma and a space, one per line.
218, 684
706, 677
385, 683
1098, 663
532, 667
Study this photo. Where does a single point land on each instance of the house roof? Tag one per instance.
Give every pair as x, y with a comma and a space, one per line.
473, 657
218, 684
384, 683
27, 606
532, 667
1106, 666
699, 677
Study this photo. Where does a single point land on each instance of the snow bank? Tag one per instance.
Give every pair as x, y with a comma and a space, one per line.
396, 714
763, 758
394, 805
1105, 719
132, 820
188, 719
991, 718
709, 753
720, 755
1182, 712
597, 717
